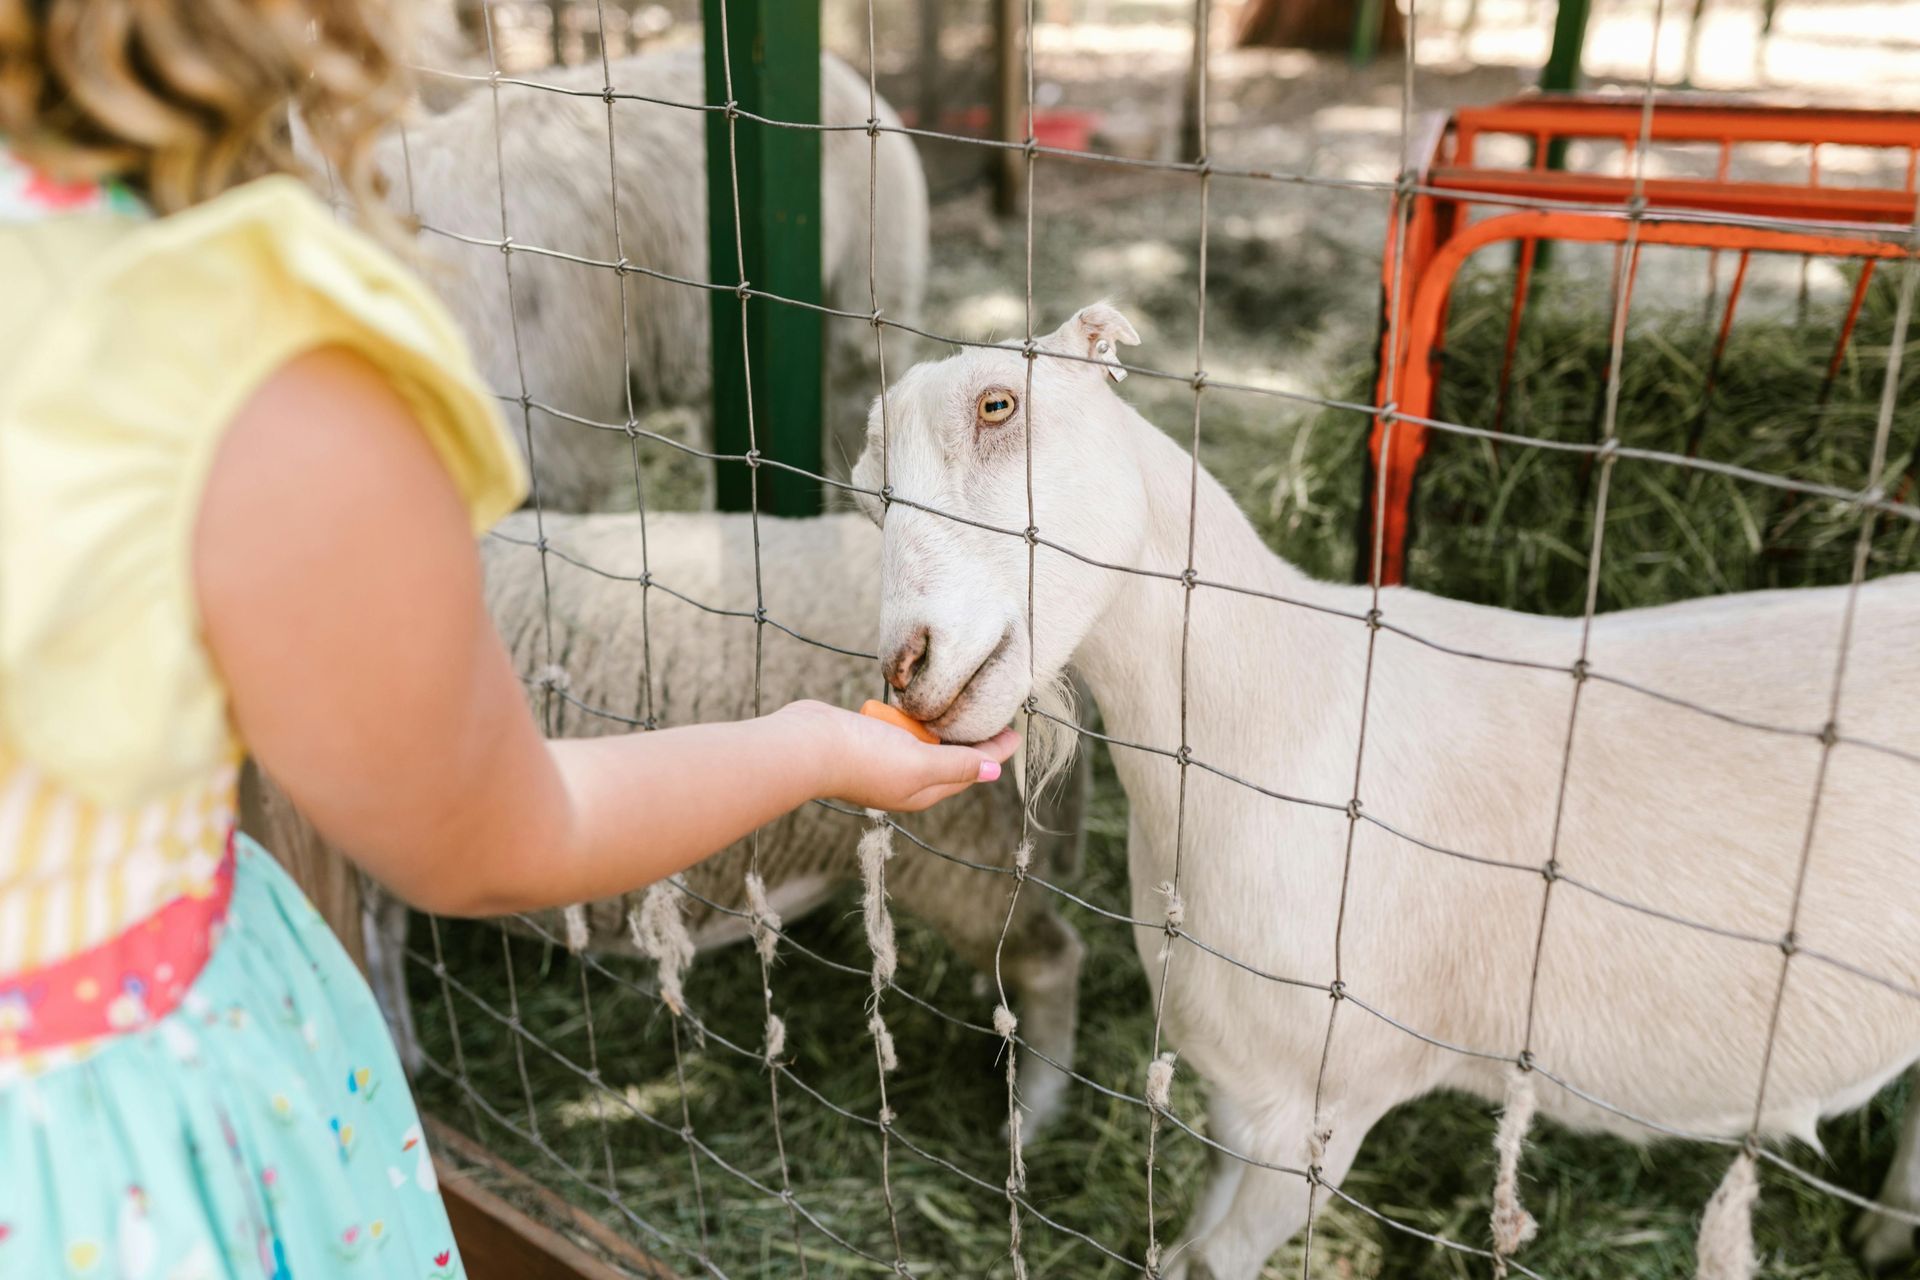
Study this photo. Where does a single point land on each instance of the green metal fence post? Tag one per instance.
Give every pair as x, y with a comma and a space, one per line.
1562, 72
1368, 15
775, 54
1560, 75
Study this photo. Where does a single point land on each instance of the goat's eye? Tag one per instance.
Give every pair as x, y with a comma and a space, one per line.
996, 406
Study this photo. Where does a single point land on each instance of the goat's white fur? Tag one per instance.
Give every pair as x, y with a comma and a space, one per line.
559, 196
1664, 806
821, 578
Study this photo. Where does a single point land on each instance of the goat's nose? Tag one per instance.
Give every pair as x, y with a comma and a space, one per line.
904, 663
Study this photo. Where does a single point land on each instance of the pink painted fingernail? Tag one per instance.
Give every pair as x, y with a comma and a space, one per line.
989, 770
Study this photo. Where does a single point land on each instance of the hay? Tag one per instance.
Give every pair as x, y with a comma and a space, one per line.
1498, 523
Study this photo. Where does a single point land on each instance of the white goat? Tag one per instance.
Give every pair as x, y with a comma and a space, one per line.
822, 579
1664, 806
565, 330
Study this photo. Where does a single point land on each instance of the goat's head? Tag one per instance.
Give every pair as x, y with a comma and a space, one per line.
954, 629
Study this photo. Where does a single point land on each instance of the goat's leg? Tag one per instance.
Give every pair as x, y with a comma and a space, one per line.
1268, 1207
1044, 972
1226, 1126
1886, 1241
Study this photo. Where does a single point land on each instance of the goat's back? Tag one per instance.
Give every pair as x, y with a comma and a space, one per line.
540, 161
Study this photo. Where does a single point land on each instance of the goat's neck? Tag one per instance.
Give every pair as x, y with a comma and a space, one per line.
1254, 666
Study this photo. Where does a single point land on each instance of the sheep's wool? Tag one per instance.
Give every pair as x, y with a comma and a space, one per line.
876, 846
1160, 1082
660, 932
1725, 1246
575, 919
882, 1042
765, 920
1513, 1226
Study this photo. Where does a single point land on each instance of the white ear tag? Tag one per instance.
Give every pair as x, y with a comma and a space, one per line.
1104, 350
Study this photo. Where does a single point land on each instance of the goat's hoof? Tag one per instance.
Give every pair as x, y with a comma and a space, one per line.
1887, 1245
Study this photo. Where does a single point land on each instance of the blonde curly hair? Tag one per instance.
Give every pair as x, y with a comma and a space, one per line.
184, 99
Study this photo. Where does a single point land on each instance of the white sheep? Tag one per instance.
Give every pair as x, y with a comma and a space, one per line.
1679, 811
565, 328
822, 580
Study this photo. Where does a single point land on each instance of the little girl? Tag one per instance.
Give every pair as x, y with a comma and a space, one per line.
243, 456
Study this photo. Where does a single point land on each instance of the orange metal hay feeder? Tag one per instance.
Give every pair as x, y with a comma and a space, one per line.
1459, 205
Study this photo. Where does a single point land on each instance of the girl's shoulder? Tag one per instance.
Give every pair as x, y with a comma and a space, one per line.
127, 348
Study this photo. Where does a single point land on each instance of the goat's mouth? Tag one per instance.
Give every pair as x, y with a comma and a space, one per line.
957, 705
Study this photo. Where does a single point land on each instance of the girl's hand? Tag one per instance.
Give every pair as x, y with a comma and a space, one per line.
878, 766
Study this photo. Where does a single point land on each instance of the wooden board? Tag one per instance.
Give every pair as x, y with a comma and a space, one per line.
500, 1240
330, 882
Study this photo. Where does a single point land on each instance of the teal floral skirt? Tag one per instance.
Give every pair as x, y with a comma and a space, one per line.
261, 1129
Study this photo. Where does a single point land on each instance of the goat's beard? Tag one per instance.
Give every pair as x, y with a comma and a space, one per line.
1052, 735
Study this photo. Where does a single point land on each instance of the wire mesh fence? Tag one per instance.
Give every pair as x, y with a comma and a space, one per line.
744, 1205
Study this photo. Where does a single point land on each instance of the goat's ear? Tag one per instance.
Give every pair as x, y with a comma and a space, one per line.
1098, 331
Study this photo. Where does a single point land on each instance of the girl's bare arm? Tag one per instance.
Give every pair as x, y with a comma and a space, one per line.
340, 595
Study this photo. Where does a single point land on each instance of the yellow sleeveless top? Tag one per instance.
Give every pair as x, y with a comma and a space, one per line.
126, 345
